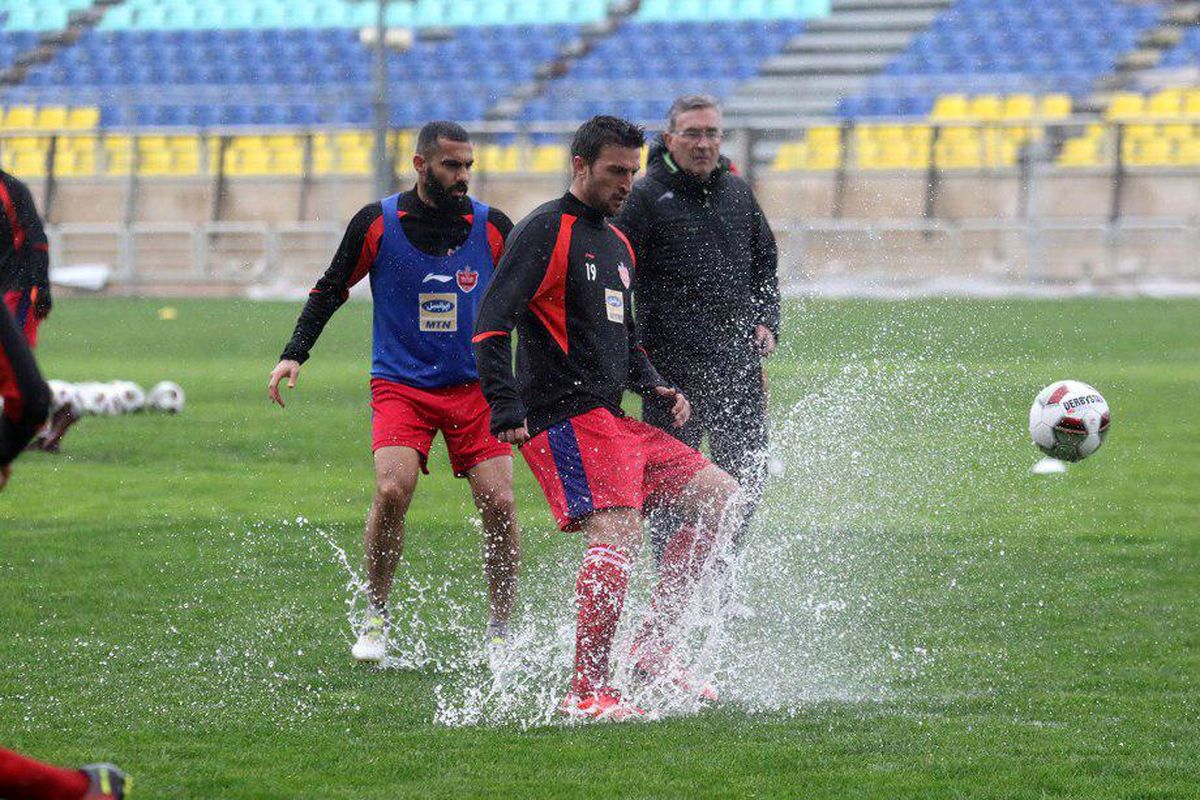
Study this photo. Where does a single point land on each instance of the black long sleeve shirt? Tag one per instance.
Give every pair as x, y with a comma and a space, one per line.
431, 230
564, 284
707, 264
24, 251
26, 395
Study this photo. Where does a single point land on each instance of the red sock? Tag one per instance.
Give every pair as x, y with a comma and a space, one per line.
599, 594
23, 778
679, 569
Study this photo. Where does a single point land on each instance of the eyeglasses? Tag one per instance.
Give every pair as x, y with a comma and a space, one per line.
696, 134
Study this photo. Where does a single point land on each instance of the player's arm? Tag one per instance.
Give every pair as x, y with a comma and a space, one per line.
26, 395
35, 252
765, 290
518, 275
350, 263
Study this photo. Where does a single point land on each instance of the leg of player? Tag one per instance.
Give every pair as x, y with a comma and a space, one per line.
613, 537
491, 487
23, 778
396, 470
738, 443
711, 506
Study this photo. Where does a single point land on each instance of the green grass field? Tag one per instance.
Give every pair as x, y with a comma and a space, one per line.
936, 623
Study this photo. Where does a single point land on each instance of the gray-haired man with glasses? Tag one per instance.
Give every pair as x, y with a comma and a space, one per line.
706, 292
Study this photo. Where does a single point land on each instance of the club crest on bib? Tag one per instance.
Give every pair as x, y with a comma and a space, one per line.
467, 278
623, 271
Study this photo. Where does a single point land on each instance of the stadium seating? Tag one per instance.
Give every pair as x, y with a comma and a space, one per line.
292, 77
729, 10
994, 131
1186, 52
1157, 130
1005, 47
316, 14
38, 16
635, 71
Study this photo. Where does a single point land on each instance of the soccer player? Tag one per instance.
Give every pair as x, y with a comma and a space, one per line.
24, 257
707, 296
26, 396
430, 253
25, 282
26, 403
564, 285
23, 778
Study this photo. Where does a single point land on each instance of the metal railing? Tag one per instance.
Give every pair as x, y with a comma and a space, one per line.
990, 255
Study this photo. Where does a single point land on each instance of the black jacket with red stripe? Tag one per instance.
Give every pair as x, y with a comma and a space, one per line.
431, 230
563, 284
24, 252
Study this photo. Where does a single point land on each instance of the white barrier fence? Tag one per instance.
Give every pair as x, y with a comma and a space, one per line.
833, 256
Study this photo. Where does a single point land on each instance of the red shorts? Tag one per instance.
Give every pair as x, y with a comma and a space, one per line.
20, 303
598, 460
404, 416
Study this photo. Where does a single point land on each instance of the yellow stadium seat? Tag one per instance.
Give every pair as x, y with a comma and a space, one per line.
1166, 104
1125, 105
1191, 102
20, 117
118, 155
986, 107
1188, 153
1085, 150
1054, 106
1019, 106
548, 158
950, 107
83, 118
1178, 131
51, 118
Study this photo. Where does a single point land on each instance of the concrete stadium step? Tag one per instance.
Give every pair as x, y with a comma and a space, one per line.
850, 41
873, 20
817, 86
778, 110
826, 63
889, 5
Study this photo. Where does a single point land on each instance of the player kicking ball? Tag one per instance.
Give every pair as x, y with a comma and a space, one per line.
429, 253
564, 285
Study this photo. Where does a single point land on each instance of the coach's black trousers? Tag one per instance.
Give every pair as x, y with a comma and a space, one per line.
26, 395
730, 410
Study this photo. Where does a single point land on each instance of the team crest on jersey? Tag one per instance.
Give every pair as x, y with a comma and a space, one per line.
623, 271
467, 278
438, 312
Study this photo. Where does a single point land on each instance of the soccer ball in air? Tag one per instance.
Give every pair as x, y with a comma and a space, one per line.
1068, 420
167, 397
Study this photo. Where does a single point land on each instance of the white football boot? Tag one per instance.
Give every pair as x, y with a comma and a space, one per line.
372, 641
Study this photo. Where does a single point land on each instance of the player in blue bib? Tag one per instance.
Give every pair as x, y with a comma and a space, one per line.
429, 253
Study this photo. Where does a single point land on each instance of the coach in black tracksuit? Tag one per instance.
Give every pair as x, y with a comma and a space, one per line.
706, 291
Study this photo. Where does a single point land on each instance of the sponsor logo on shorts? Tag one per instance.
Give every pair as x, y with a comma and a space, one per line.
438, 312
614, 305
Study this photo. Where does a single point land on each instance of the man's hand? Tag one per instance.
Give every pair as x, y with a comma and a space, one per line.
5, 474
681, 409
517, 436
285, 367
764, 339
